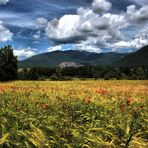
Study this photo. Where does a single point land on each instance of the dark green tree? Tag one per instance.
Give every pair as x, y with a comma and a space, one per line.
140, 73
8, 64
33, 74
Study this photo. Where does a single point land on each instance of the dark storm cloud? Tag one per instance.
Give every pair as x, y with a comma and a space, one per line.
68, 40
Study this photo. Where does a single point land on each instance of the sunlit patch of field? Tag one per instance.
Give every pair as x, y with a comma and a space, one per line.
74, 114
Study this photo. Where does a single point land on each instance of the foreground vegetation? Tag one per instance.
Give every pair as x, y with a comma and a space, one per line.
87, 114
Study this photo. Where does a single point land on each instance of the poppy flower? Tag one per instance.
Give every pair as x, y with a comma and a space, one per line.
123, 107
101, 91
89, 100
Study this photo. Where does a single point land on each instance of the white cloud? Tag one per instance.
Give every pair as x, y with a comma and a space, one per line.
41, 22
115, 23
17, 19
24, 53
100, 30
3, 2
5, 34
138, 19
140, 40
54, 48
85, 47
65, 29
85, 26
37, 35
141, 2
88, 48
100, 6
137, 15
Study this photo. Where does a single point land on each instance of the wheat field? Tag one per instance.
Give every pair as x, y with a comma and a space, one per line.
74, 114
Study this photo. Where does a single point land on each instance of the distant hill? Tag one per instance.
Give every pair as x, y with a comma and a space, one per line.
138, 58
76, 58
56, 58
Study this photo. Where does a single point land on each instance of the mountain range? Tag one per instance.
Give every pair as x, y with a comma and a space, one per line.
135, 59
77, 58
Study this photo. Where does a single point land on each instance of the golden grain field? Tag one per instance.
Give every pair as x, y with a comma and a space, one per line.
73, 114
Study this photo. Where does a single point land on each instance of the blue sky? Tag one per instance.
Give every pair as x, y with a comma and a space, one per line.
37, 26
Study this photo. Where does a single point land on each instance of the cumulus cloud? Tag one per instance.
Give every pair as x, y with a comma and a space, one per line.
137, 42
100, 6
138, 19
86, 26
137, 15
95, 27
24, 53
5, 34
3, 2
65, 30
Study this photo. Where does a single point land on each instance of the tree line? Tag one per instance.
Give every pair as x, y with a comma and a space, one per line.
9, 71
85, 72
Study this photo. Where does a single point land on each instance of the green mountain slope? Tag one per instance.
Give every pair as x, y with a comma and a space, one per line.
138, 58
79, 57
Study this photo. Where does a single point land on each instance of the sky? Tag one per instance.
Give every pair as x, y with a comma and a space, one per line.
37, 26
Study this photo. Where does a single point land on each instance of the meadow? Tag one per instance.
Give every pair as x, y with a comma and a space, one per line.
74, 114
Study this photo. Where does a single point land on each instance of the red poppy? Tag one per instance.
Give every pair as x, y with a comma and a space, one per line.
89, 100
123, 107
101, 91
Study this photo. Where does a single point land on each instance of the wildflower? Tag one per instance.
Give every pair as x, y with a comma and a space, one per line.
123, 107
89, 100
129, 101
44, 106
101, 91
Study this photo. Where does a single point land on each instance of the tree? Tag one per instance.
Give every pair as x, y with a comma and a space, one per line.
33, 74
8, 64
140, 73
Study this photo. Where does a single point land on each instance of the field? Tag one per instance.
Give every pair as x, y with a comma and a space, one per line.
74, 114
